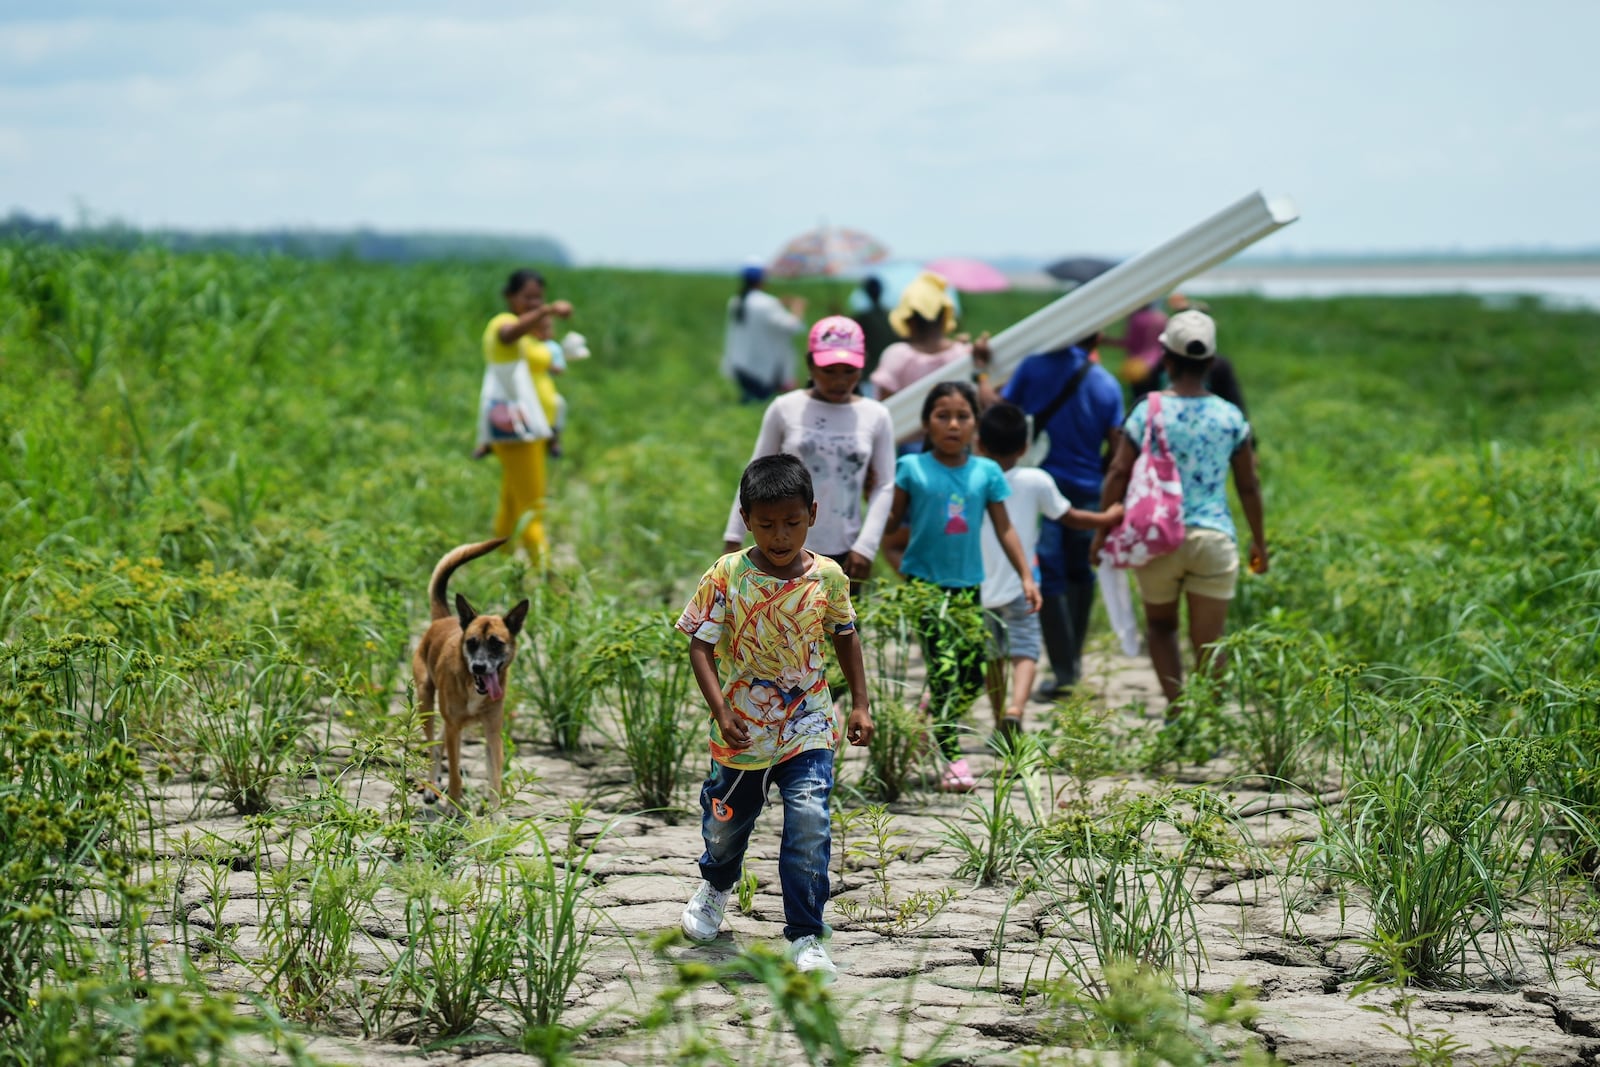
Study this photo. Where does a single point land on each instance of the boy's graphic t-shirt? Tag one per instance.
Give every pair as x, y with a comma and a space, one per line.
946, 516
768, 634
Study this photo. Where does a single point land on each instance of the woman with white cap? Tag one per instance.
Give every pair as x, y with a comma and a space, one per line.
845, 441
1208, 439
758, 353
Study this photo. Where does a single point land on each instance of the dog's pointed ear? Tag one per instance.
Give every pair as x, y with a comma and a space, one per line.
464, 611
514, 617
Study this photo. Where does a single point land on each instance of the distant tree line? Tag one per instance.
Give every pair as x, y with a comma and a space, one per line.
362, 243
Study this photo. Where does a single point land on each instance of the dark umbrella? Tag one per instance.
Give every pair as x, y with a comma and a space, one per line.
1079, 269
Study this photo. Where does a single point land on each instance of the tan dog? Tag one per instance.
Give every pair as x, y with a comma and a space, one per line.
460, 664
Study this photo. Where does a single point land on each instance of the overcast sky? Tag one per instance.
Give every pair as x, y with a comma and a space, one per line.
702, 131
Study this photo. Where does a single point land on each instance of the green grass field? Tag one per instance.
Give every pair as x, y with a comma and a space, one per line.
224, 480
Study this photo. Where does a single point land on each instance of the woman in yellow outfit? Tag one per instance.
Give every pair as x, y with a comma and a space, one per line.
511, 336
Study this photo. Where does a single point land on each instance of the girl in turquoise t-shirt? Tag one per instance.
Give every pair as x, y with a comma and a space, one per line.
942, 494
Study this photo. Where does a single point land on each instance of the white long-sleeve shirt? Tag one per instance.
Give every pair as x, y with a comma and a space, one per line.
761, 345
840, 444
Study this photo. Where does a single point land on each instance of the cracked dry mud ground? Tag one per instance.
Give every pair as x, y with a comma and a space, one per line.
952, 983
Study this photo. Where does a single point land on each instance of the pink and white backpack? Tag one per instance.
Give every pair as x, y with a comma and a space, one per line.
1153, 525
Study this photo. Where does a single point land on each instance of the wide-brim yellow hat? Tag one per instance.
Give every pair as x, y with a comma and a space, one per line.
928, 295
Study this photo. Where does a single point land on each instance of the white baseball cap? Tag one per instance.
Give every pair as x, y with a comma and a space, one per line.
1190, 333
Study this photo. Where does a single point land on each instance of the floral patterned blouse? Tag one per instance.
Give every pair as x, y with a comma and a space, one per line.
1203, 432
768, 634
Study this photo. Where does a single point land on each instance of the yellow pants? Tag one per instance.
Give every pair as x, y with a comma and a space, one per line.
522, 490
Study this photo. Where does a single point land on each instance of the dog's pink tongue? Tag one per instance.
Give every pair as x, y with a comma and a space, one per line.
491, 683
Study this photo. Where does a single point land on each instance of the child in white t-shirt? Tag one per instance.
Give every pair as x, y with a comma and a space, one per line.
1003, 437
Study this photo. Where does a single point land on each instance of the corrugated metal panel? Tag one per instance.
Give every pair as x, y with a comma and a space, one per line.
1129, 285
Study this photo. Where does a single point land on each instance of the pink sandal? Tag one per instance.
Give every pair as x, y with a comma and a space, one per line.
958, 778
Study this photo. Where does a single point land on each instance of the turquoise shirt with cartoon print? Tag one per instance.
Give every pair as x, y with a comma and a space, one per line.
947, 505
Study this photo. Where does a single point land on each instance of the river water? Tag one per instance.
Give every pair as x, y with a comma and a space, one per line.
1568, 289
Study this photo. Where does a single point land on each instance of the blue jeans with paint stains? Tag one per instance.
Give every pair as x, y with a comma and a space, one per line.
805, 783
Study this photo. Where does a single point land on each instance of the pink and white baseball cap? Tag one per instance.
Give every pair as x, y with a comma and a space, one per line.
836, 340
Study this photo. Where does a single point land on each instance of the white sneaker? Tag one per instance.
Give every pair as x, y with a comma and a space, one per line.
702, 916
809, 955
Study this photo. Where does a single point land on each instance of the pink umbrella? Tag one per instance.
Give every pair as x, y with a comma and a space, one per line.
969, 275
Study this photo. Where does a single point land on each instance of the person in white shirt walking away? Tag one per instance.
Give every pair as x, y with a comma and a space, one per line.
758, 349
1003, 437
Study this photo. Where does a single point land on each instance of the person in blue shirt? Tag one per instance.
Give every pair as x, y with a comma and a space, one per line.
1082, 430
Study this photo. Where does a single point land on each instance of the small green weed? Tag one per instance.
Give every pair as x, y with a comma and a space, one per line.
559, 678
901, 742
459, 950
1139, 1012
875, 847
554, 924
313, 901
1005, 837
745, 890
250, 722
644, 665
1431, 1046
1445, 843
1122, 897
1269, 677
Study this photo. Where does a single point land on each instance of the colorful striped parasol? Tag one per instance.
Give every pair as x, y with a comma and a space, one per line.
828, 251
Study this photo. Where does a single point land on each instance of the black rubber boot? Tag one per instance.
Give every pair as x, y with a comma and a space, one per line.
1056, 623
1080, 600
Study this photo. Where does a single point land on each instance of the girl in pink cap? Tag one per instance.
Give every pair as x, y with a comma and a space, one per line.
845, 440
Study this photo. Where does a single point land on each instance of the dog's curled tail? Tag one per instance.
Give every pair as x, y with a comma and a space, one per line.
440, 582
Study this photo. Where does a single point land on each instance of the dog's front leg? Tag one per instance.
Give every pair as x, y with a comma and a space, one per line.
435, 756
427, 694
452, 744
494, 740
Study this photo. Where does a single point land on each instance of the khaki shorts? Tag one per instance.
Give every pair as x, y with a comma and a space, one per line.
1206, 564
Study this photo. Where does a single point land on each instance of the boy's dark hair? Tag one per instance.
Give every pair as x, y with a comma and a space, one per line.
1003, 430
773, 478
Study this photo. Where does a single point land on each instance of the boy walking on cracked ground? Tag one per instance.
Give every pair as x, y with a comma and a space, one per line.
761, 615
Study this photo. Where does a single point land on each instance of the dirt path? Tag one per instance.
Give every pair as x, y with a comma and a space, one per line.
955, 983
